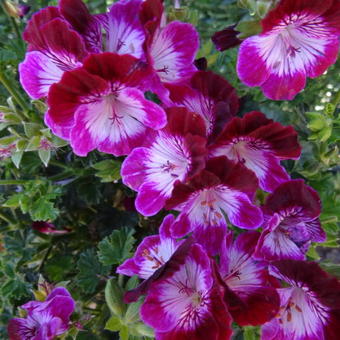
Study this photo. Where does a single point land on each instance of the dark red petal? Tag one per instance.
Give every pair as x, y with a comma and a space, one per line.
114, 67
58, 38
282, 139
76, 13
32, 33
225, 39
63, 98
198, 153
324, 287
150, 15
294, 193
181, 122
257, 306
182, 192
233, 175
287, 7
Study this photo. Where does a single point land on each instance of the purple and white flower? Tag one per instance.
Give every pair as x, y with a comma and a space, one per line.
45, 320
186, 303
260, 144
299, 39
99, 106
292, 222
310, 305
222, 188
178, 151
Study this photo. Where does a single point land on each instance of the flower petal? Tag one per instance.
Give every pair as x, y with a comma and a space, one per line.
124, 31
173, 51
37, 73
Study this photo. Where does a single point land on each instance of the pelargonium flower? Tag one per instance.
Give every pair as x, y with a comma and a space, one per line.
299, 39
249, 294
45, 320
170, 49
54, 47
310, 306
178, 151
259, 143
61, 37
153, 252
98, 106
292, 222
187, 303
210, 96
223, 187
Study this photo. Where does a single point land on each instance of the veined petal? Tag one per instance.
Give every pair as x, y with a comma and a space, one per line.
37, 73
184, 301
297, 41
276, 245
255, 157
250, 50
173, 51
124, 31
309, 307
77, 14
115, 125
133, 169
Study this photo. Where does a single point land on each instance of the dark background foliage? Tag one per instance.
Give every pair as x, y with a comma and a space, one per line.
85, 195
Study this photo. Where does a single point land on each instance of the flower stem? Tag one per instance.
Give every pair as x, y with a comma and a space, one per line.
13, 181
14, 93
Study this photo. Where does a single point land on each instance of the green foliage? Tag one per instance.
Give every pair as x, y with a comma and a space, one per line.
91, 271
117, 247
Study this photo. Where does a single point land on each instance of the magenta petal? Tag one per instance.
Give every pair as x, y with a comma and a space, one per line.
284, 87
62, 131
173, 52
326, 59
241, 212
133, 170
182, 226
249, 55
125, 34
149, 200
147, 112
210, 236
276, 245
37, 73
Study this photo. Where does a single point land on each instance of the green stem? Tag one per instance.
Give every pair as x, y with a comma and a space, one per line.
336, 99
14, 93
120, 280
6, 219
13, 181
45, 256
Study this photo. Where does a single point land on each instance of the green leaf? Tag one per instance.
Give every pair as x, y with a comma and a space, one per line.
108, 170
32, 129
114, 324
45, 156
117, 247
114, 298
16, 158
43, 210
33, 144
90, 271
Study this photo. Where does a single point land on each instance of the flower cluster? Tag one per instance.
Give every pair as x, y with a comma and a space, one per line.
45, 320
191, 154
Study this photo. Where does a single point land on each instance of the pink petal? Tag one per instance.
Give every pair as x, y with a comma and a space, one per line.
125, 34
173, 52
37, 73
